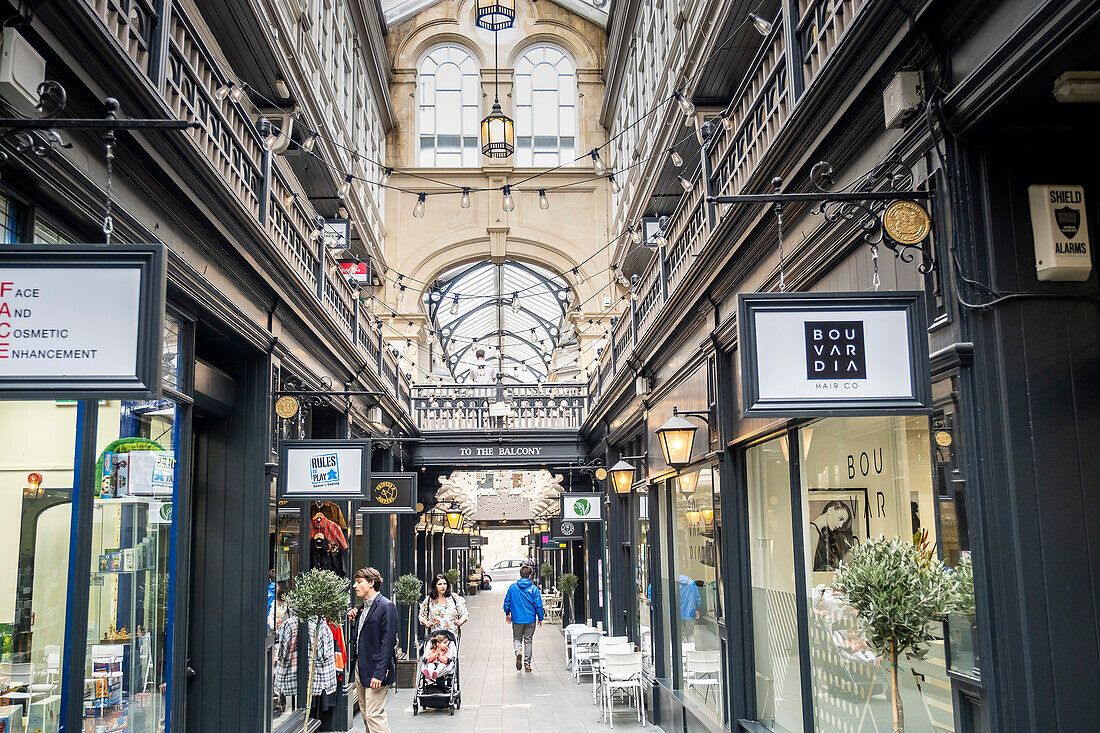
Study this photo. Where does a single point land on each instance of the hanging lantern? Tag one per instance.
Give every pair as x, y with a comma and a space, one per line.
687, 482
496, 15
498, 133
676, 436
622, 477
454, 520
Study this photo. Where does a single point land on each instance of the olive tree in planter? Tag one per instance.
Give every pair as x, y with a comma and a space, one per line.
547, 572
453, 577
567, 583
898, 591
406, 591
320, 596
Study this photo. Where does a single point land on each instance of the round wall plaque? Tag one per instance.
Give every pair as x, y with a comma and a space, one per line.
286, 407
601, 473
906, 222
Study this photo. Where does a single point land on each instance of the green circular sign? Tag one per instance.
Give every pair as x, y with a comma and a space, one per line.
166, 512
582, 508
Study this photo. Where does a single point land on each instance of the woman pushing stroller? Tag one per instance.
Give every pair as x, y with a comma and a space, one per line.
443, 609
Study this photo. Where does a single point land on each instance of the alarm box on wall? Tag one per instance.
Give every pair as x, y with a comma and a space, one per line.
1061, 229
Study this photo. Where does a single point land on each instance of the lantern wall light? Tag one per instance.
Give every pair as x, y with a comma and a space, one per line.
622, 474
677, 436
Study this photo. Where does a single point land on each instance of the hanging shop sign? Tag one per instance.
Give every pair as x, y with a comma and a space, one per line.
391, 493
564, 530
324, 469
447, 451
336, 234
831, 354
81, 321
477, 540
587, 507
456, 542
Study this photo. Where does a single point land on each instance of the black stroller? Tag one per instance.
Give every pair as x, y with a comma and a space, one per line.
445, 690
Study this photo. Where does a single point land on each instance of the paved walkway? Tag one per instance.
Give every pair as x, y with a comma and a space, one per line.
497, 698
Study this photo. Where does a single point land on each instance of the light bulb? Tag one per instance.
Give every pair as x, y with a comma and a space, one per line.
309, 142
764, 27
223, 91
345, 187
454, 306
659, 239
636, 234
289, 199
676, 158
464, 202
615, 187
270, 141
727, 123
684, 183
418, 209
237, 93
685, 104
386, 176
509, 204
544, 203
515, 302
597, 164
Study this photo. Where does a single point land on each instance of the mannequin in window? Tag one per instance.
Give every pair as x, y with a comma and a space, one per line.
484, 372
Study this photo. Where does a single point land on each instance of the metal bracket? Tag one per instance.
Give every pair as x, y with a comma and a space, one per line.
862, 203
39, 135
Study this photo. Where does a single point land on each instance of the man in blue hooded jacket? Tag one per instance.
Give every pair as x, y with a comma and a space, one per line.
522, 609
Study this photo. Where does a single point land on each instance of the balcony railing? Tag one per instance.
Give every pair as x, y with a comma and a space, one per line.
226, 136
499, 406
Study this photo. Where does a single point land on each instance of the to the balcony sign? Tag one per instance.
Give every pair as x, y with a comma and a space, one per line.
81, 321
821, 354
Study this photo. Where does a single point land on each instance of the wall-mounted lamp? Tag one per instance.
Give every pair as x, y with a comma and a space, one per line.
677, 436
622, 474
454, 520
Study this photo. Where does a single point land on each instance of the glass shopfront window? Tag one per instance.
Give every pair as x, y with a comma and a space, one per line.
285, 566
37, 450
137, 475
695, 590
860, 478
642, 588
778, 659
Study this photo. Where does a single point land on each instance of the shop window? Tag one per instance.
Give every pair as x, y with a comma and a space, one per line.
11, 230
37, 446
860, 478
133, 533
643, 588
776, 650
695, 596
662, 660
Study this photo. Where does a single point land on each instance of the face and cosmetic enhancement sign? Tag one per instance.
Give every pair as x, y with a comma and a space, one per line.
391, 493
829, 354
81, 321
324, 469
582, 507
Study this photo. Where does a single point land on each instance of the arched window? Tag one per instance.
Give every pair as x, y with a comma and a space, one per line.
448, 92
545, 93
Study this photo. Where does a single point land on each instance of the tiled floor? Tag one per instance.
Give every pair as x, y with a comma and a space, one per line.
497, 698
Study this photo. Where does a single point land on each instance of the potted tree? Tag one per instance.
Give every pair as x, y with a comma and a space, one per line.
406, 592
453, 576
898, 590
320, 596
567, 583
547, 572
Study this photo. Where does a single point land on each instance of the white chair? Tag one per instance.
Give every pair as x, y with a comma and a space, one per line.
623, 672
585, 653
553, 610
607, 645
702, 669
570, 632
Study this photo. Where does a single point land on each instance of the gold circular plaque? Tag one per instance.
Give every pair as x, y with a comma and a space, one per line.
286, 407
601, 474
943, 438
385, 492
906, 222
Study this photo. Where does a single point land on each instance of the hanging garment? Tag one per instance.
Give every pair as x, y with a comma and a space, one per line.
286, 659
338, 644
332, 511
330, 530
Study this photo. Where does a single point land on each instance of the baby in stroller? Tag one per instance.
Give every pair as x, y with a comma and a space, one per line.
438, 656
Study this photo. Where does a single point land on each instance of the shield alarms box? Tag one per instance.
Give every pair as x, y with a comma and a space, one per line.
1061, 230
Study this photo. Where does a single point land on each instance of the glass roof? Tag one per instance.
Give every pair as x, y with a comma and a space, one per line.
513, 311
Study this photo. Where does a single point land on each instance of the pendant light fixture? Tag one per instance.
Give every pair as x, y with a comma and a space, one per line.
496, 15
498, 132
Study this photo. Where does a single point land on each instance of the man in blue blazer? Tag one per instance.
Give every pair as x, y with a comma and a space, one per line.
372, 657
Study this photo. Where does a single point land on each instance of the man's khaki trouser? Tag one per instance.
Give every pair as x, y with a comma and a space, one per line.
372, 703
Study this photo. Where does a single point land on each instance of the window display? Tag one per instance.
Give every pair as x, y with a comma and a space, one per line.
37, 449
695, 590
643, 589
132, 522
860, 478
